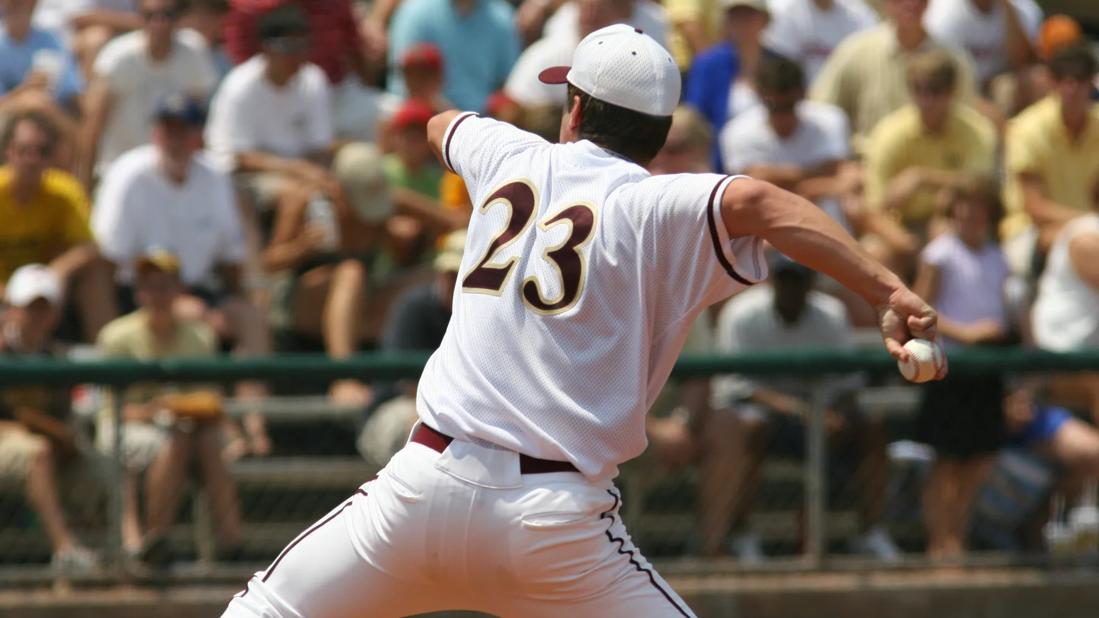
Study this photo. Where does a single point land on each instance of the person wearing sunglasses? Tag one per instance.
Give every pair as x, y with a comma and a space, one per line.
796, 144
271, 119
44, 219
132, 74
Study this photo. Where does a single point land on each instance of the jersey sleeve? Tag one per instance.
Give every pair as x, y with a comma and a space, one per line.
690, 252
475, 148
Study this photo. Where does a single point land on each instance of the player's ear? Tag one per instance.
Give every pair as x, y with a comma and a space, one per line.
570, 124
576, 113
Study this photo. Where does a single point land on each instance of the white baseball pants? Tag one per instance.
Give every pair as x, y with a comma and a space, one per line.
463, 530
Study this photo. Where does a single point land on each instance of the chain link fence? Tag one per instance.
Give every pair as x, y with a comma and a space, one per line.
798, 496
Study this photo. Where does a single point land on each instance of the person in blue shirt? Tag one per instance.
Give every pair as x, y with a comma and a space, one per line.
719, 83
33, 58
478, 38
1051, 430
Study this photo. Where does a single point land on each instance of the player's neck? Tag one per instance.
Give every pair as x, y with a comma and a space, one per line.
825, 5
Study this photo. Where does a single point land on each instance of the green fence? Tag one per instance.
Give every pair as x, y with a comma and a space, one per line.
14, 371
810, 363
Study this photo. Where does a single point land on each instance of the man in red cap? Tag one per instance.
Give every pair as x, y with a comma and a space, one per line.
422, 67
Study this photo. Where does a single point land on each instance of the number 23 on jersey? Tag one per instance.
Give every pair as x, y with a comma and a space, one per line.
520, 198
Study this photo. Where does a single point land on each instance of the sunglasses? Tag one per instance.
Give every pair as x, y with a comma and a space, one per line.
924, 90
780, 107
24, 150
287, 44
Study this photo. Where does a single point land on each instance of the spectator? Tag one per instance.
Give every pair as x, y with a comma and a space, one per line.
271, 120
33, 59
787, 314
1052, 432
1064, 316
411, 164
523, 85
796, 144
644, 14
999, 35
695, 26
720, 84
166, 195
423, 70
808, 31
45, 220
87, 25
1035, 83
962, 273
335, 45
865, 75
1052, 151
801, 146
131, 75
328, 248
35, 439
207, 18
477, 37
167, 429
929, 145
415, 178
417, 322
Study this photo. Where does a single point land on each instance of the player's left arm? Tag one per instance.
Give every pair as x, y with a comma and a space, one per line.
802, 231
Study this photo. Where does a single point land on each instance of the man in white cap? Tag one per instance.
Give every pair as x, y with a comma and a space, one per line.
34, 438
561, 336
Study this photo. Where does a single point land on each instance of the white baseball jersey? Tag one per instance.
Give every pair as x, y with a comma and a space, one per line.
581, 278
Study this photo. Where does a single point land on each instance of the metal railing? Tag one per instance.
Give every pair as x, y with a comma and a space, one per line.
117, 374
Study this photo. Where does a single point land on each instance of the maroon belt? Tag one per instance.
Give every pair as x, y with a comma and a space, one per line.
438, 441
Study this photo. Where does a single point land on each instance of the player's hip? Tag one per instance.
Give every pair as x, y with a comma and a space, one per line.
470, 502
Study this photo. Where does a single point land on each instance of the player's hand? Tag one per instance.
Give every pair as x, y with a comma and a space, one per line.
907, 316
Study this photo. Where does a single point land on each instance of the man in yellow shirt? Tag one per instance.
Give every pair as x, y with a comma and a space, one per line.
865, 75
45, 219
931, 144
1052, 151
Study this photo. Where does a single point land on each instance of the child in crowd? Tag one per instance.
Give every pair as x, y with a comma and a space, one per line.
962, 272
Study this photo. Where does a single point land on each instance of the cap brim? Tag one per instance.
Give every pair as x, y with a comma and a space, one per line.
554, 75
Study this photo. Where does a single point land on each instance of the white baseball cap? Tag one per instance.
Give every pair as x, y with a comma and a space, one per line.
625, 67
31, 282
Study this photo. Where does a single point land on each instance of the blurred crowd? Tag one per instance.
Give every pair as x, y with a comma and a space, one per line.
200, 177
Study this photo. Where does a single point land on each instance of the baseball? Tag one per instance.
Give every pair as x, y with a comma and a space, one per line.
925, 362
